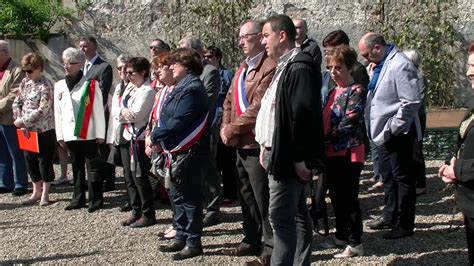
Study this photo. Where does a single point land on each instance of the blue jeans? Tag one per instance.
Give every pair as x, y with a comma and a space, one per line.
187, 201
291, 222
12, 162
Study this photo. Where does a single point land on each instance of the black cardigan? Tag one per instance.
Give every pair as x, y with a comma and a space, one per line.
298, 134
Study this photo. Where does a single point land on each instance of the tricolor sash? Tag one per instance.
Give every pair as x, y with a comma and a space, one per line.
187, 140
240, 99
85, 109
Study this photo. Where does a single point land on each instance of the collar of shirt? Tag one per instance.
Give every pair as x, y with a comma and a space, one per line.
251, 62
92, 60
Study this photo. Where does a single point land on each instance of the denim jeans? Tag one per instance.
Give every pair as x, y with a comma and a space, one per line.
12, 161
291, 222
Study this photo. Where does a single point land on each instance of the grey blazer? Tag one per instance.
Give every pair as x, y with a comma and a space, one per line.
393, 105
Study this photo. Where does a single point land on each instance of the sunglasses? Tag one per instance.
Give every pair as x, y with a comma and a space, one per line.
154, 47
121, 68
131, 73
207, 56
29, 71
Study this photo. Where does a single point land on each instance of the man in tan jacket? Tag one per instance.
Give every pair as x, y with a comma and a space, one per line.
12, 163
241, 107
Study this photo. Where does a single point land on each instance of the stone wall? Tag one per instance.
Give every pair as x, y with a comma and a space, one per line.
127, 26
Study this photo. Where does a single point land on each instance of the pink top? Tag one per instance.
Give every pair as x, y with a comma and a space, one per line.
357, 152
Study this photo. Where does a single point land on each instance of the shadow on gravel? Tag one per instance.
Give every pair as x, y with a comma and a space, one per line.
47, 259
454, 257
223, 232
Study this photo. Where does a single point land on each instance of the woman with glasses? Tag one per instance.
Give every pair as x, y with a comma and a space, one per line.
114, 131
345, 149
80, 126
179, 136
33, 112
135, 107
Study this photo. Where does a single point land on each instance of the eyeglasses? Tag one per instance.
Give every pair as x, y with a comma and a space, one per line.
154, 47
248, 35
337, 68
120, 69
131, 73
207, 56
29, 71
70, 64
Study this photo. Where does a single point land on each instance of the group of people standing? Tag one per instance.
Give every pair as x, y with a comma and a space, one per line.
283, 118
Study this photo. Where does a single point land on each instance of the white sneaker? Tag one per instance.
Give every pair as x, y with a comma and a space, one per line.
350, 252
333, 243
60, 181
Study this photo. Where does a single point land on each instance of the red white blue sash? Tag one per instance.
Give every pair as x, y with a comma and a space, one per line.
240, 99
187, 140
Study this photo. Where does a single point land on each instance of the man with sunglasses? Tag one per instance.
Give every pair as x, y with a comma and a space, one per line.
158, 46
306, 44
13, 175
98, 69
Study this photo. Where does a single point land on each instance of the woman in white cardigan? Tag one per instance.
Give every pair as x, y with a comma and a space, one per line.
80, 126
135, 107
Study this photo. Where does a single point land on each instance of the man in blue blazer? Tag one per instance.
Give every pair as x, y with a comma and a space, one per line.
393, 125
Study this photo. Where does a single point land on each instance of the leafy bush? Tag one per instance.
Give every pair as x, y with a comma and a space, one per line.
428, 28
34, 17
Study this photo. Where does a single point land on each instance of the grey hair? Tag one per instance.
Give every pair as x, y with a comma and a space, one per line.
74, 55
414, 56
123, 58
192, 42
4, 45
373, 39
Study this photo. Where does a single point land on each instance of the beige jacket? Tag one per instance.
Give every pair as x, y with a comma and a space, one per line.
9, 86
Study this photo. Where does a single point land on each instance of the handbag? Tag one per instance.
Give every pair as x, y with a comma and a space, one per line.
177, 170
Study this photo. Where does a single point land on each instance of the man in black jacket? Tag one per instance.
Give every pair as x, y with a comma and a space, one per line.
289, 129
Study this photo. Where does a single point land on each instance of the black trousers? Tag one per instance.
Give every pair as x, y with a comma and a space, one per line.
85, 152
469, 223
211, 182
40, 165
396, 166
138, 187
420, 166
108, 169
254, 200
343, 183
226, 159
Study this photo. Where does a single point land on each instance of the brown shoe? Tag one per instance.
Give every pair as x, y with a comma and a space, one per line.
242, 250
262, 260
131, 220
143, 222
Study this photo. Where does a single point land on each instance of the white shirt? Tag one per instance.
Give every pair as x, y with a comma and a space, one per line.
88, 64
251, 62
265, 124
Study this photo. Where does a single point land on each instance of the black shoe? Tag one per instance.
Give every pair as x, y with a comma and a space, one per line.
108, 186
207, 221
5, 190
379, 223
19, 192
397, 233
174, 246
92, 209
143, 222
125, 208
188, 252
73, 206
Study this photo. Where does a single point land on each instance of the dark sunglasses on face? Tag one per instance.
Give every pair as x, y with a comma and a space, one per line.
207, 56
29, 71
131, 73
153, 47
121, 68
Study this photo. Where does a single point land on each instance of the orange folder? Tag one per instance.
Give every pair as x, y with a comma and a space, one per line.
28, 144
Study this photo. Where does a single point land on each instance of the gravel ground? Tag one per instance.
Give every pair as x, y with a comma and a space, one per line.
50, 235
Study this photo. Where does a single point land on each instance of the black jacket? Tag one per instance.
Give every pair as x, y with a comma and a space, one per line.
298, 134
464, 170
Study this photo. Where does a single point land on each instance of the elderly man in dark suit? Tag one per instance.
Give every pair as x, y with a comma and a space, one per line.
212, 179
96, 68
12, 163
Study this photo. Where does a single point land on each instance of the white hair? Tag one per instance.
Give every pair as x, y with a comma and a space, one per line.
4, 45
123, 58
192, 43
414, 56
74, 55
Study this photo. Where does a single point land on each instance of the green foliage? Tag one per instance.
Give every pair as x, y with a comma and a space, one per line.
428, 28
215, 23
34, 17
